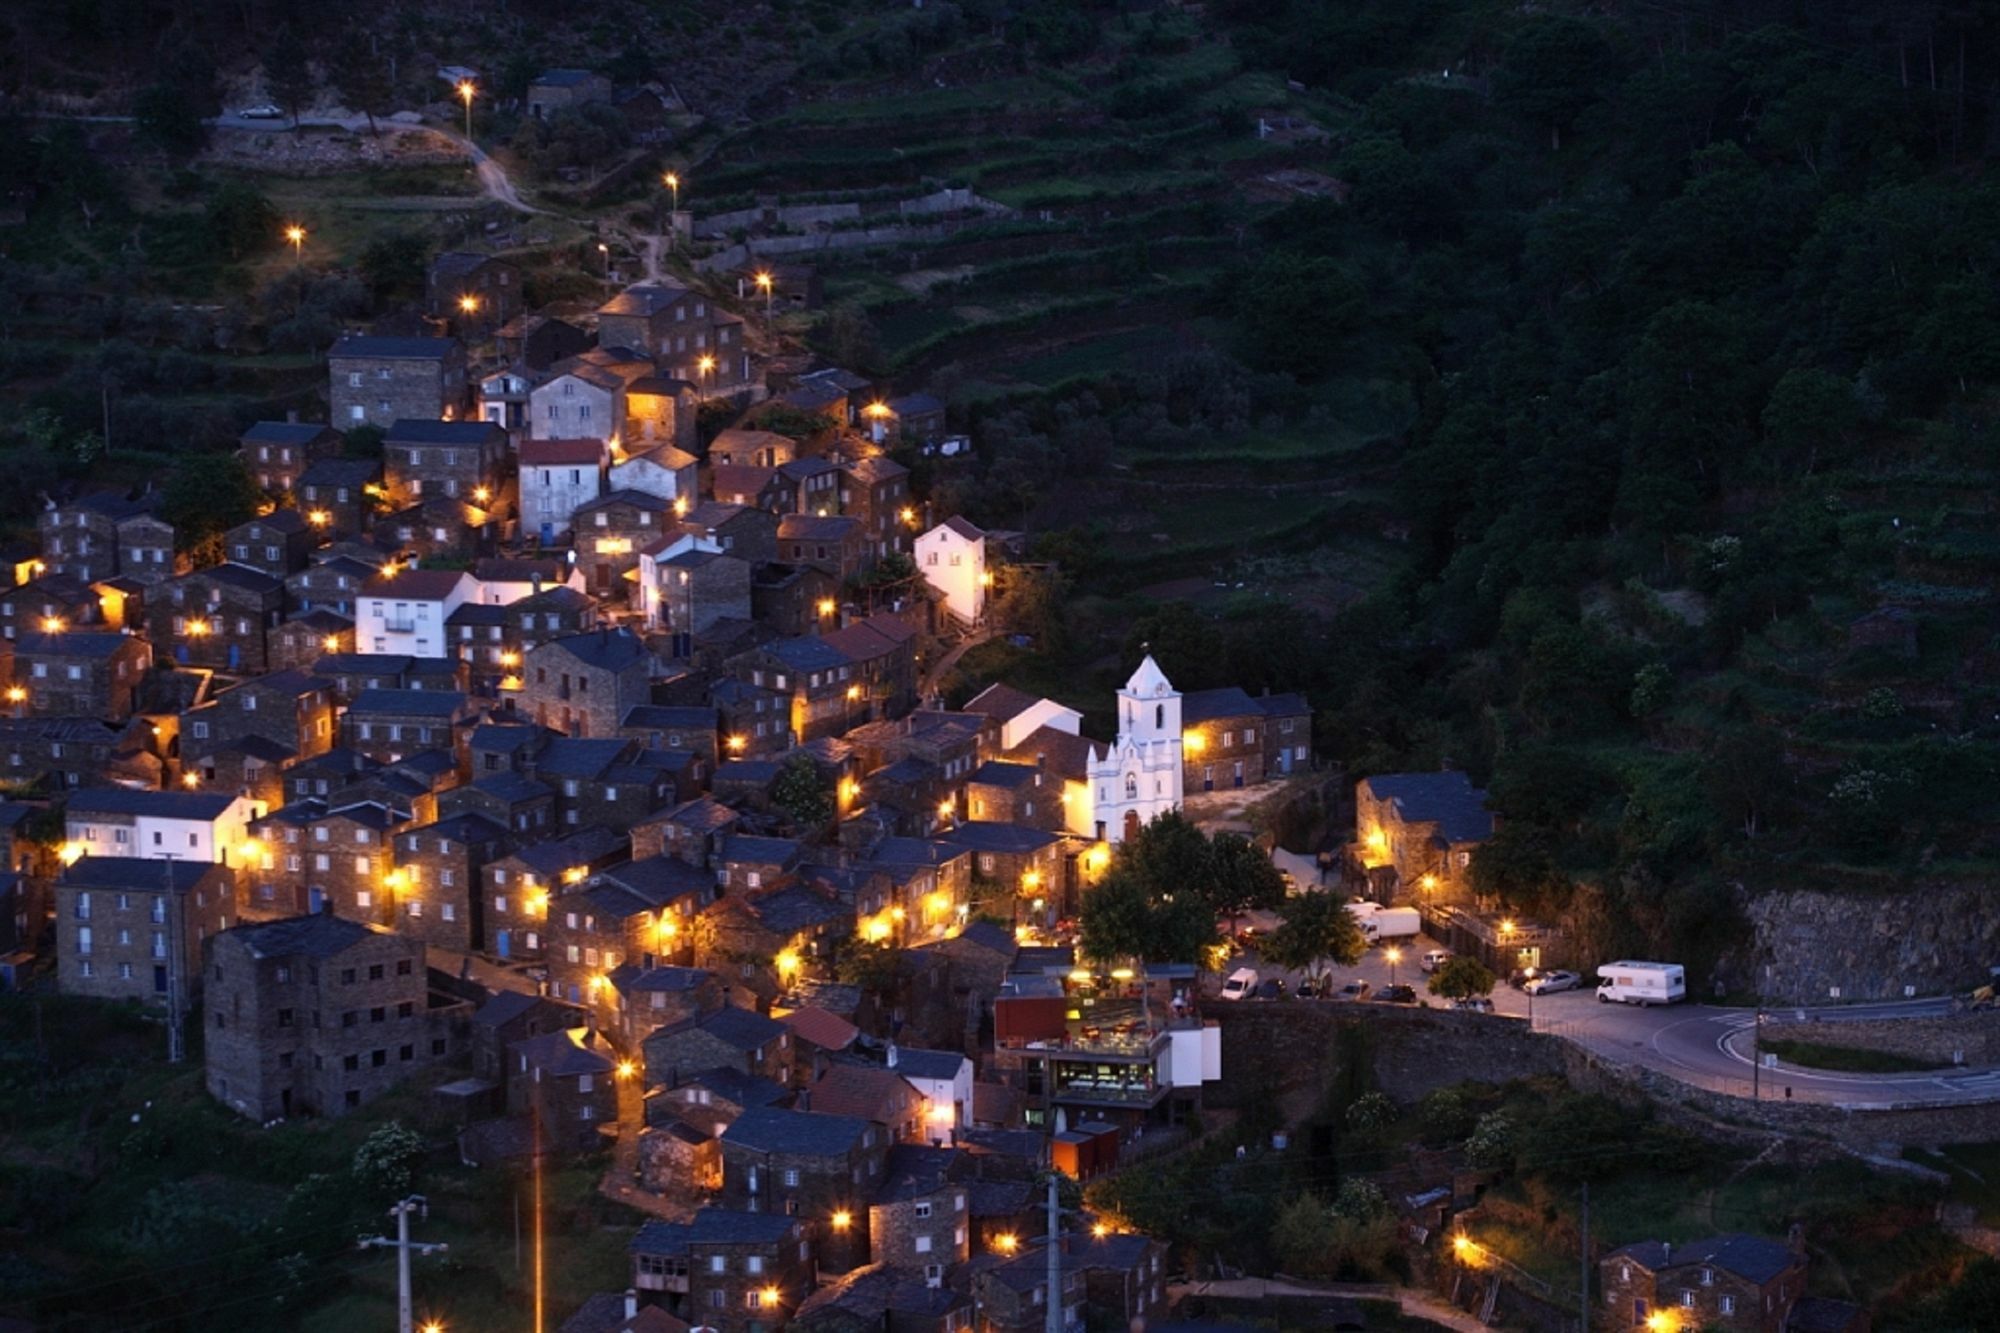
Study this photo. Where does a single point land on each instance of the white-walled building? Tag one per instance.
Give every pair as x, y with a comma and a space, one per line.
1140, 775
404, 611
952, 559
159, 825
665, 471
556, 477
944, 1080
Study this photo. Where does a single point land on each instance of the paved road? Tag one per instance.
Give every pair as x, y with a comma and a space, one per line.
1702, 1045
1409, 1300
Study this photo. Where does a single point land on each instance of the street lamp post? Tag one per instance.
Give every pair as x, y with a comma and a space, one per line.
604, 257
465, 92
297, 236
764, 281
674, 184
1395, 956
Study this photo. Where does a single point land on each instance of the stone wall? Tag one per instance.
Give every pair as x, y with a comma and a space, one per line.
1815, 947
1968, 1038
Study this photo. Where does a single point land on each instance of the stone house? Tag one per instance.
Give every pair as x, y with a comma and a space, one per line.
603, 781
476, 292
553, 613
825, 699
692, 832
315, 1015
822, 398
684, 589
1023, 864
338, 495
792, 600
762, 941
380, 381
104, 534
389, 725
741, 447
354, 673
726, 1038
128, 927
438, 528
1745, 1284
1287, 734
919, 1219
80, 673
611, 392
68, 753
1124, 1277
49, 604
755, 719
611, 530
1009, 793
728, 1270
568, 1081
585, 684
665, 470
759, 487
636, 912
690, 728
440, 871
650, 998
512, 1016
518, 803
836, 545
557, 475
218, 617
882, 653
566, 90
879, 1297
424, 458
674, 325
1425, 827
1222, 739
1014, 1297
812, 486
748, 533
277, 453
538, 341
943, 1079
519, 886
291, 709
504, 398
871, 1093
481, 636
308, 636
278, 543
919, 417
807, 1164
313, 858
876, 490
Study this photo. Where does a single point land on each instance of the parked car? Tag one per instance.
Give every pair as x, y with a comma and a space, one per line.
261, 111
1355, 990
1434, 960
1397, 994
1241, 984
1271, 988
1309, 990
1478, 1004
1548, 983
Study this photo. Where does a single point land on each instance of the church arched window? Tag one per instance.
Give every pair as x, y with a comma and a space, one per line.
1159, 717
1131, 787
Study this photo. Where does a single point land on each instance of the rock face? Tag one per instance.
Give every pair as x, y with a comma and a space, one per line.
1819, 948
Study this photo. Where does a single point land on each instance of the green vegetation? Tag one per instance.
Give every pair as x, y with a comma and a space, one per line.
1161, 895
146, 1204
1847, 1059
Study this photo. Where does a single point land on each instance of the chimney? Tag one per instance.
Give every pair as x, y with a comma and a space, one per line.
631, 1303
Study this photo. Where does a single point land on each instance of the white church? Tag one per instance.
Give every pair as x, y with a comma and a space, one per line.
1139, 776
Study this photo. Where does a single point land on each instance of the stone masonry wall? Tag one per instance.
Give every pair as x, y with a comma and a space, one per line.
1933, 937
1969, 1038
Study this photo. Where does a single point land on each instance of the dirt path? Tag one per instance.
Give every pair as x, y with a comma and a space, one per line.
1420, 1304
942, 667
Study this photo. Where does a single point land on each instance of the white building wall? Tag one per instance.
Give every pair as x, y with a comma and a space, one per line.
569, 408
1141, 773
414, 627
956, 567
550, 495
644, 475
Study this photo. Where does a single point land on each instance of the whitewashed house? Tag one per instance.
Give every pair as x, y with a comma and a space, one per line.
404, 611
665, 471
159, 825
556, 477
952, 559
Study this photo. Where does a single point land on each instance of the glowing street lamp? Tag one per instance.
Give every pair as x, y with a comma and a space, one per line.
841, 1219
465, 94
707, 367
765, 281
1006, 1243
16, 696
52, 625
827, 606
1395, 956
468, 304
604, 257
319, 518
297, 236
673, 182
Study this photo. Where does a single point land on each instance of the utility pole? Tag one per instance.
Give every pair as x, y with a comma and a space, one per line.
1583, 1286
176, 1015
1055, 1323
416, 1203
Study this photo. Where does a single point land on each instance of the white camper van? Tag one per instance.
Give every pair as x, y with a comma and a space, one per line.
1641, 983
1242, 984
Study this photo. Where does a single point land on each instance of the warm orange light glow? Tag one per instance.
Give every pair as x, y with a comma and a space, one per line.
197, 628
510, 658
1429, 882
737, 742
1662, 1321
1507, 927
770, 1295
71, 853
574, 875
481, 494
332, 643
52, 624
1100, 1230
788, 962
669, 928
468, 304
907, 514
1006, 1243
985, 578
296, 235
944, 809
1031, 880
706, 364
876, 410
15, 694
433, 1327
1393, 956
1463, 1247
673, 181
466, 90
319, 518
878, 930
190, 779
680, 506
1194, 742
842, 1219
827, 606
626, 1069
853, 693
896, 913
538, 900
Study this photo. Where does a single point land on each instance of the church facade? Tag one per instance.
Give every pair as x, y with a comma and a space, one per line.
1141, 774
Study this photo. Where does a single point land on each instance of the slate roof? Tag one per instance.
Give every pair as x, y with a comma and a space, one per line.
914, 1170
1821, 1314
414, 585
1000, 702
807, 1133
1284, 705
135, 872
458, 263
733, 1085
815, 528
757, 772
737, 1027
1753, 1258
607, 650
759, 851
789, 911
669, 717
987, 935
511, 787
714, 1226
645, 298
809, 654
392, 349
444, 704
985, 836
913, 1062
862, 1090
504, 1008
579, 757
200, 805
72, 643
659, 504
1199, 706
1449, 799
285, 432
465, 827
1001, 773
914, 404
421, 430
320, 935
561, 1055
349, 472
660, 879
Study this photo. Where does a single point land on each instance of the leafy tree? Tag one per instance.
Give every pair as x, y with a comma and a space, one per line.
1811, 414
1491, 1143
1127, 917
1241, 876
800, 791
1316, 930
287, 73
362, 76
169, 120
876, 968
1461, 978
1553, 70
1370, 1113
850, 336
394, 265
1295, 312
240, 221
206, 495
385, 1165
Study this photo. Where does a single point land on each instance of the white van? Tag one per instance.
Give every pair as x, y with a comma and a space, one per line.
1242, 984
1631, 982
1435, 959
